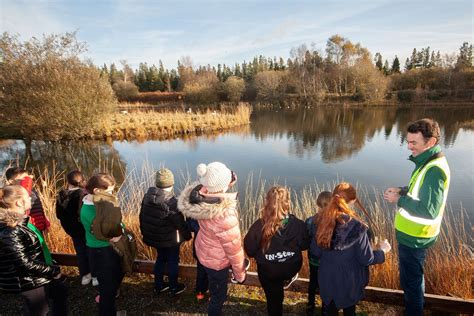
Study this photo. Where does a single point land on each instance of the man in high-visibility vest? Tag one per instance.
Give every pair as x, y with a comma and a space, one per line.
420, 209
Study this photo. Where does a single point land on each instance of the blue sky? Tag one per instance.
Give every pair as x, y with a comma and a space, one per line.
230, 31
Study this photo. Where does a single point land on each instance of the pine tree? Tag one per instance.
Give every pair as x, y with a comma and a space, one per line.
378, 61
396, 65
154, 80
408, 64
114, 74
281, 64
426, 58
141, 78
104, 71
237, 71
386, 68
219, 72
465, 56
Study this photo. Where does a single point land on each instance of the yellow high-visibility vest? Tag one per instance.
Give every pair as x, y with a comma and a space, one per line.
418, 226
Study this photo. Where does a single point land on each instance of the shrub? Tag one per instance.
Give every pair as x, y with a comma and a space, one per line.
47, 90
234, 88
269, 85
125, 91
406, 95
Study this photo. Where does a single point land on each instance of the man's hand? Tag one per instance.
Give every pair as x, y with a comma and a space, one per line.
392, 195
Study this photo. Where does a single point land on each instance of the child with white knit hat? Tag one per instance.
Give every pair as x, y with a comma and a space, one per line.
218, 243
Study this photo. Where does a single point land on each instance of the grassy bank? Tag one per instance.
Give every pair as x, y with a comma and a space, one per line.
145, 124
141, 125
448, 270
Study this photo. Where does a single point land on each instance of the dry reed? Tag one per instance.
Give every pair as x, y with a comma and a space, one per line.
151, 124
448, 268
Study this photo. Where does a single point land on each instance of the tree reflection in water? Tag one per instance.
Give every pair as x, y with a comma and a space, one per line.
341, 132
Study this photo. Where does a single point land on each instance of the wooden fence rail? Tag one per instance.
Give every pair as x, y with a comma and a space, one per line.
372, 294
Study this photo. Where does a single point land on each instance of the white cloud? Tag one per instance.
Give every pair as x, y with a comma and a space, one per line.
28, 18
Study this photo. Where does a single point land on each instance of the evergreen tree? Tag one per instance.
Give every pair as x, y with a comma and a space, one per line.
386, 68
378, 61
465, 56
426, 58
104, 71
237, 71
396, 65
114, 74
432, 59
281, 64
162, 75
438, 61
174, 79
408, 64
155, 83
219, 72
141, 78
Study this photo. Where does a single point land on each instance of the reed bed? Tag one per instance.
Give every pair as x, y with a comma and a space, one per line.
151, 124
449, 265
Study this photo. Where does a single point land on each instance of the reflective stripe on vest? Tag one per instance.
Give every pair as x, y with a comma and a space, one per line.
418, 226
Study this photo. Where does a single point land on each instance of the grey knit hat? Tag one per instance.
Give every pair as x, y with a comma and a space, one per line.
164, 178
215, 176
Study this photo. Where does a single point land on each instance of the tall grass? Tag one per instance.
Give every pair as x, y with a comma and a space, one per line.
151, 124
448, 269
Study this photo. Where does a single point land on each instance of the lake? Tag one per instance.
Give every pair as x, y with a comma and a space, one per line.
293, 147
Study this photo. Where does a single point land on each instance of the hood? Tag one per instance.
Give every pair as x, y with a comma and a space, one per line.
104, 196
11, 219
347, 234
290, 230
204, 210
159, 200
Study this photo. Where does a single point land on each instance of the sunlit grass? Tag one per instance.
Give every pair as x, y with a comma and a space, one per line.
448, 268
151, 124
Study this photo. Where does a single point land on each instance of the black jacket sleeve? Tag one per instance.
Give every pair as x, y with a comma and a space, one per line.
19, 254
253, 239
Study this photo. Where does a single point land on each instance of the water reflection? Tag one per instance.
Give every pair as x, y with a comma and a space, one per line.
90, 156
338, 133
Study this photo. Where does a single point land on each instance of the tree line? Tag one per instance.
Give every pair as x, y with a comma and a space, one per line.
342, 70
46, 88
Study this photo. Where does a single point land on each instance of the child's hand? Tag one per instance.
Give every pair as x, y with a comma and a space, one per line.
115, 239
385, 246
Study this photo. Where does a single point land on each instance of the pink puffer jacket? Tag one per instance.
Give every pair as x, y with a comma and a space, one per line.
218, 243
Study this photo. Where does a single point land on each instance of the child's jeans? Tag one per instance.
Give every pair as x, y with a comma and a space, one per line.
202, 283
218, 289
167, 256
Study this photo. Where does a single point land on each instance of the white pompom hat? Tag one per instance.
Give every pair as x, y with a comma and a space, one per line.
215, 176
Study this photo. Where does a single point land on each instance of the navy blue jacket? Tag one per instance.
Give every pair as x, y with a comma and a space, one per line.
344, 268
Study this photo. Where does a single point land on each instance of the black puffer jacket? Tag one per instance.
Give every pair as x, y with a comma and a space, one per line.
68, 206
22, 264
161, 224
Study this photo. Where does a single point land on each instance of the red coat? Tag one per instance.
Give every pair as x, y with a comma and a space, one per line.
36, 213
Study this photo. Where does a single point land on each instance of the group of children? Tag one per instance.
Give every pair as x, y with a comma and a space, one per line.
337, 240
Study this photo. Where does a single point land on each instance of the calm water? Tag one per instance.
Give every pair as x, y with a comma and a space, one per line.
296, 147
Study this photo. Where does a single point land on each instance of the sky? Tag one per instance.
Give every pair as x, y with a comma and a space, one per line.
230, 31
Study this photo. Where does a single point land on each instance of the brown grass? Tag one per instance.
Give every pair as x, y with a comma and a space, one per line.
448, 268
142, 125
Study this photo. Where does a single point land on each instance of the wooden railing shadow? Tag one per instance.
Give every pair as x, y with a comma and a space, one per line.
372, 294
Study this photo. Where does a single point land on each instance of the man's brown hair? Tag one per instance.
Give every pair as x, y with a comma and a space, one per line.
427, 127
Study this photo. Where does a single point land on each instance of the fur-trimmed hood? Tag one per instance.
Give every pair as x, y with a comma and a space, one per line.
204, 210
347, 234
10, 218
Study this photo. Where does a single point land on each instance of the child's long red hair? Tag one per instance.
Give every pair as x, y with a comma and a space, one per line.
335, 212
